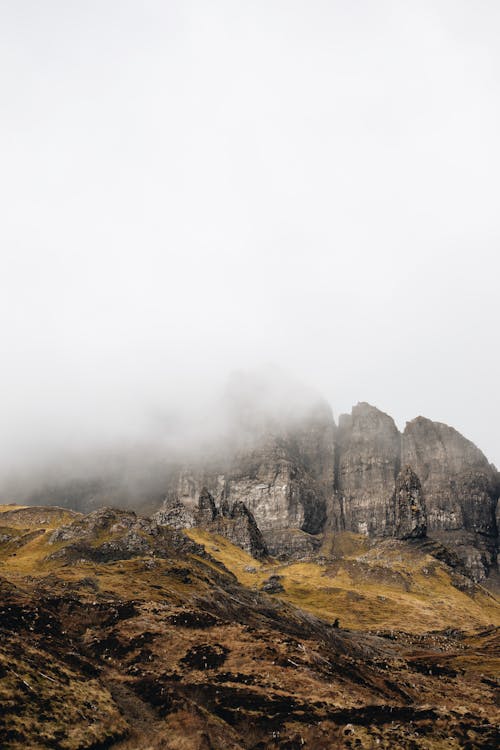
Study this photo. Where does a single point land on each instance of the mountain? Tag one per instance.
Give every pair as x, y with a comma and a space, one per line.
301, 478
275, 473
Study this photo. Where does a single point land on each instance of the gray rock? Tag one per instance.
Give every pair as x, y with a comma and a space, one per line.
109, 534
207, 512
177, 515
304, 476
282, 473
273, 585
234, 522
279, 467
461, 491
241, 529
291, 544
369, 457
409, 520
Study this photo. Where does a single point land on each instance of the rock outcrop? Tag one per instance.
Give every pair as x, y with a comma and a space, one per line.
300, 478
176, 515
284, 473
233, 521
291, 544
461, 490
109, 534
273, 585
239, 526
369, 457
408, 518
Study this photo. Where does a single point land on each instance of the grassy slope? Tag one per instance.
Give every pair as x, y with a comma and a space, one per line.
387, 586
390, 586
124, 578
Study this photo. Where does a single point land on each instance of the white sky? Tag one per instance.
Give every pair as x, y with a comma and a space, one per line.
192, 187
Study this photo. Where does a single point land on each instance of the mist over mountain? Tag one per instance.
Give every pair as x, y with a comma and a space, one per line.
177, 206
271, 445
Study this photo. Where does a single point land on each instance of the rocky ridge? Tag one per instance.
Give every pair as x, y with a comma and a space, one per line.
234, 521
364, 476
280, 473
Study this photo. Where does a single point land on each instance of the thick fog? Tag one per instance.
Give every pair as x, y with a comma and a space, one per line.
190, 189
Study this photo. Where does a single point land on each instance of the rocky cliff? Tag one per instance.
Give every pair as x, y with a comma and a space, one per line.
369, 458
278, 473
407, 512
301, 478
234, 521
461, 490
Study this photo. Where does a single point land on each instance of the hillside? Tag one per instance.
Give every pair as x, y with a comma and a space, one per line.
389, 584
122, 634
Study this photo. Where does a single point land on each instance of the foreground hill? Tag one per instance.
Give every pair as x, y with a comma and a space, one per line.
119, 633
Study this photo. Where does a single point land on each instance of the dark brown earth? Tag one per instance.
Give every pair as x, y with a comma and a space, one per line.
112, 643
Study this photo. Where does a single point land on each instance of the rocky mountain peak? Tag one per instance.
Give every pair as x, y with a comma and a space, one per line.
279, 473
306, 476
368, 461
460, 487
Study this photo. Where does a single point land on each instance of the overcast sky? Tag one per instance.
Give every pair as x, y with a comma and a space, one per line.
192, 187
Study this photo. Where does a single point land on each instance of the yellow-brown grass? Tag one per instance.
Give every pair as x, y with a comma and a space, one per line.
385, 586
388, 586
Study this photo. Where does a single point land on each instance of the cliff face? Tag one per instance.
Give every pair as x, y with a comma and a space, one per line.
284, 476
459, 483
408, 511
461, 490
369, 458
447, 490
292, 474
299, 479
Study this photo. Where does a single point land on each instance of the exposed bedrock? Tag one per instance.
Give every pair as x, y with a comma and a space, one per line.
408, 514
284, 476
278, 472
460, 485
461, 489
369, 458
291, 544
301, 478
234, 521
